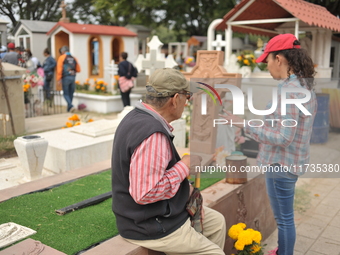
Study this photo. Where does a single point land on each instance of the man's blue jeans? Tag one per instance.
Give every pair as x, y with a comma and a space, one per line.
69, 87
281, 190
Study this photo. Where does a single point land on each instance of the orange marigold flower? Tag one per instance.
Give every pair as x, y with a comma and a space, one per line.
69, 124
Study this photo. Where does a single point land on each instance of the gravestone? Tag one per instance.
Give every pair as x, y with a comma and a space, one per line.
155, 59
12, 82
208, 70
11, 232
113, 70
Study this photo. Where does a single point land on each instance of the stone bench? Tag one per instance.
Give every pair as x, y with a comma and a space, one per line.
236, 202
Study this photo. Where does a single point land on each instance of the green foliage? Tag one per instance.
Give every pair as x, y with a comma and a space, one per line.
7, 146
47, 10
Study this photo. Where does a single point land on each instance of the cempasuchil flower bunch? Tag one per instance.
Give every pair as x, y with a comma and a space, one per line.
247, 241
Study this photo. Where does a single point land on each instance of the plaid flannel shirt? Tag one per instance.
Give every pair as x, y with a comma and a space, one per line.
288, 146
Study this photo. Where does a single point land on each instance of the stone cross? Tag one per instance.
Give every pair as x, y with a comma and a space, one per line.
219, 43
208, 70
113, 70
155, 59
151, 64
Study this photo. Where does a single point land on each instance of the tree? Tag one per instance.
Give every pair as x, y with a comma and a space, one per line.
47, 10
192, 16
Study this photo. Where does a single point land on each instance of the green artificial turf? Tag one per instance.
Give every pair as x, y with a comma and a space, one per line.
75, 231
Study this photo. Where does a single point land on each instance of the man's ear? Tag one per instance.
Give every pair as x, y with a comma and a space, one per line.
174, 100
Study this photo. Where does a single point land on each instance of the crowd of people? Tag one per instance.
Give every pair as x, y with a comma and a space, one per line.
66, 68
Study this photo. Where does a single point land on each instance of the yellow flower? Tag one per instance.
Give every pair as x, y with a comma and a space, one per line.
103, 88
69, 124
239, 245
242, 225
98, 87
257, 237
77, 123
239, 58
255, 248
90, 120
234, 231
246, 237
246, 62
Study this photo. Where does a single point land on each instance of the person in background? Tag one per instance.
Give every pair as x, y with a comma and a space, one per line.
32, 63
153, 200
67, 67
22, 61
126, 69
11, 56
48, 66
284, 150
3, 51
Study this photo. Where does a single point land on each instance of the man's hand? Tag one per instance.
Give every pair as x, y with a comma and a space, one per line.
191, 162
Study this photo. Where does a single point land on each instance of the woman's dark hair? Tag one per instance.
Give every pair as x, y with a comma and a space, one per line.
124, 55
29, 53
300, 63
47, 51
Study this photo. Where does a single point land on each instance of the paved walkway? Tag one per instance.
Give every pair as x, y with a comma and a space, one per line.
317, 199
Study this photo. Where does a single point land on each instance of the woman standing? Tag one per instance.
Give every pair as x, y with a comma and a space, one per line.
48, 66
127, 70
284, 148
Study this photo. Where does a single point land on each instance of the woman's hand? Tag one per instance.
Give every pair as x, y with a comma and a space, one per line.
233, 119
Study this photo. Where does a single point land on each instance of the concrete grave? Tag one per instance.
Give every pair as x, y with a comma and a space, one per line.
30, 247
97, 128
69, 150
11, 232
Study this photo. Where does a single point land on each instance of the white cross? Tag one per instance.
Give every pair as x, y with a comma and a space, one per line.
152, 63
113, 70
218, 43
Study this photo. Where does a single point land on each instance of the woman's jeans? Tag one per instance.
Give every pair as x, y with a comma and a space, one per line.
281, 190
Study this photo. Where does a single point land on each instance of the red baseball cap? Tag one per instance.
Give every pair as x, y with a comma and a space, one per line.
11, 45
279, 42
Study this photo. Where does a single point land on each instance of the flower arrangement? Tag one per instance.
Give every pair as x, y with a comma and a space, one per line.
247, 58
27, 92
33, 78
115, 84
84, 86
100, 86
74, 120
190, 61
248, 241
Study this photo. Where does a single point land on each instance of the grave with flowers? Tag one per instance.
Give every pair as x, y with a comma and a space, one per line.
94, 94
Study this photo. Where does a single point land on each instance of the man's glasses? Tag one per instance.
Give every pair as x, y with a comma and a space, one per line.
187, 94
